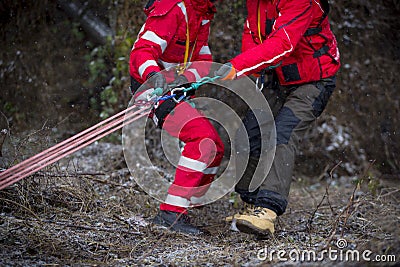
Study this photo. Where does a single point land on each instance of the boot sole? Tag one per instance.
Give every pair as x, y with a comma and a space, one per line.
247, 227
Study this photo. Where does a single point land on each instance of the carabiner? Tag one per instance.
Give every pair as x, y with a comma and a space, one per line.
181, 97
262, 83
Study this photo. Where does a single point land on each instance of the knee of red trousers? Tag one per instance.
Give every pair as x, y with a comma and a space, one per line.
218, 146
205, 146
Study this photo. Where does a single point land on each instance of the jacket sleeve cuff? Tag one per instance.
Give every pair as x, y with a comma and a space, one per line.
234, 67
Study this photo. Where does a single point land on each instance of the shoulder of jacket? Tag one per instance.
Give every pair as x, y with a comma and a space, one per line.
156, 8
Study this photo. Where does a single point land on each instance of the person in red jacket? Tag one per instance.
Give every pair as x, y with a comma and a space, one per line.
173, 38
290, 48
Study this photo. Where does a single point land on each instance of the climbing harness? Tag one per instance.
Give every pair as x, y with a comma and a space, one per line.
92, 134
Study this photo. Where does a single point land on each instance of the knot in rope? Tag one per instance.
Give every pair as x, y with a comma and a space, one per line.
196, 85
182, 91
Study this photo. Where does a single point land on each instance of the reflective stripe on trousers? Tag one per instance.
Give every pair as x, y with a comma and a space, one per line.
201, 156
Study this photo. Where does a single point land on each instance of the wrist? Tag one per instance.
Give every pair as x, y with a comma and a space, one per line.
148, 76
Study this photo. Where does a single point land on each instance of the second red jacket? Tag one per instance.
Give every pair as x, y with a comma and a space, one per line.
295, 36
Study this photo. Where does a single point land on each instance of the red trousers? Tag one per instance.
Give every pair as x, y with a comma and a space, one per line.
200, 158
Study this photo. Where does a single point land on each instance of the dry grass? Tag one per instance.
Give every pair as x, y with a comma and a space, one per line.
78, 217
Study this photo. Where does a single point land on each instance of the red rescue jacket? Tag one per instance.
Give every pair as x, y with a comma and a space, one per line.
295, 36
161, 43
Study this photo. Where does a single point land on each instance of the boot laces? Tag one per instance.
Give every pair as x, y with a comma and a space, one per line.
259, 211
248, 209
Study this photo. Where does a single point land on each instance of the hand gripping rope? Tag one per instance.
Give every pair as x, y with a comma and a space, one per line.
90, 135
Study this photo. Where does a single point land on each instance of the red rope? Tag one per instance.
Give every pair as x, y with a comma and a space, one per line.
70, 145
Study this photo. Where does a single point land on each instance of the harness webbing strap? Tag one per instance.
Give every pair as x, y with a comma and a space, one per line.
322, 51
312, 31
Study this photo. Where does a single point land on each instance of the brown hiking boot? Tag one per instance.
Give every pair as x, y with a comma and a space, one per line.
258, 221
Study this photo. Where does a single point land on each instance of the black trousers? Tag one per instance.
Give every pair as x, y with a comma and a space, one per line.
295, 109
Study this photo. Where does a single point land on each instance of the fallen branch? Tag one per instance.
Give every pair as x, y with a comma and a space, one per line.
92, 228
326, 195
57, 175
388, 193
346, 210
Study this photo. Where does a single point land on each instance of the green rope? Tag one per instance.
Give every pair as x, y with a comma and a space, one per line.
193, 86
196, 85
158, 91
